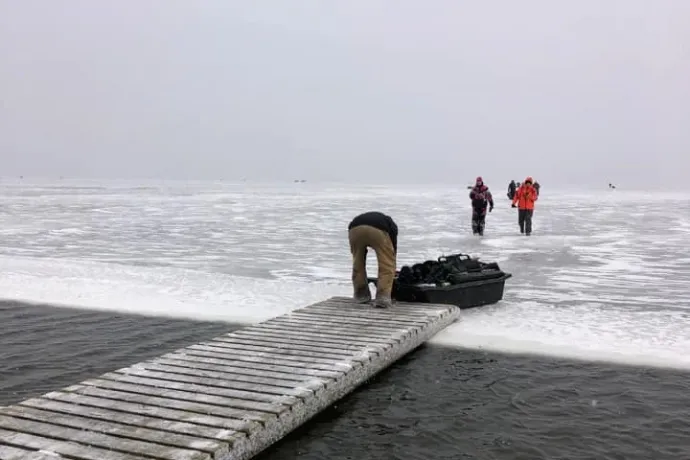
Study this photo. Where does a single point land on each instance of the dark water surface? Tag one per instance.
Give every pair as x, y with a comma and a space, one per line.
45, 348
437, 403
443, 403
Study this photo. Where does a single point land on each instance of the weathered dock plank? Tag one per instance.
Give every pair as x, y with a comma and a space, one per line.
210, 384
289, 350
237, 372
14, 453
226, 398
318, 340
149, 408
92, 413
118, 429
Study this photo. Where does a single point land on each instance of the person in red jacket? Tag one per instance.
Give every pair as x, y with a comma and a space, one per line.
524, 199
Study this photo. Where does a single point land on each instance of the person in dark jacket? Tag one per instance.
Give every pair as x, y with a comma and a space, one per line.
511, 190
481, 199
377, 231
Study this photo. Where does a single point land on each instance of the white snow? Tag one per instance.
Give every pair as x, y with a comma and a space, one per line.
605, 276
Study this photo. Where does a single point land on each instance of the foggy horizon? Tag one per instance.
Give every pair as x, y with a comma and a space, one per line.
582, 93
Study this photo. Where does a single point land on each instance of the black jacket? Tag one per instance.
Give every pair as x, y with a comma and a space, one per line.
377, 220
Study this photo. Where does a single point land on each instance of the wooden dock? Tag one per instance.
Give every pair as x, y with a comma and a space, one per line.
227, 398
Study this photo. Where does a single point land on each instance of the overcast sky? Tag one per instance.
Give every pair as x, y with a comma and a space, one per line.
570, 91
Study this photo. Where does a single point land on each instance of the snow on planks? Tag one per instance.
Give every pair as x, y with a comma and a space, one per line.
227, 398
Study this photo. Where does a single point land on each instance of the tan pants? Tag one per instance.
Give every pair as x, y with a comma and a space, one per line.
361, 238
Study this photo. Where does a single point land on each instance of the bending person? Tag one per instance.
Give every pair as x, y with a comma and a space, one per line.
377, 231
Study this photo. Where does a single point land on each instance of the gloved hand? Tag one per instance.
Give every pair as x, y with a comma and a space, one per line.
491, 208
513, 206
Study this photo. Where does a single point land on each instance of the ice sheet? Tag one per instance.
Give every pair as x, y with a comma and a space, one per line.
604, 276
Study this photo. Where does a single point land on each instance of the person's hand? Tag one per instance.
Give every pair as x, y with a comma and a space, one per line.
491, 208
513, 205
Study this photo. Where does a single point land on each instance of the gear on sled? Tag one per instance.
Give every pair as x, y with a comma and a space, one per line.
456, 279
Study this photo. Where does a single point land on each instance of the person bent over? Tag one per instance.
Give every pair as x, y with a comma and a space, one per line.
377, 231
525, 196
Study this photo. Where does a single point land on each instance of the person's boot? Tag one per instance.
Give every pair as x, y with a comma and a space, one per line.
383, 301
362, 295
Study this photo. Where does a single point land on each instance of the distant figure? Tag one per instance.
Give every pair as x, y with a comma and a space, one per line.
377, 231
525, 196
481, 198
511, 189
537, 187
612, 186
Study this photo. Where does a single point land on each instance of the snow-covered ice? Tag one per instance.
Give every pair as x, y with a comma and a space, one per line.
606, 275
